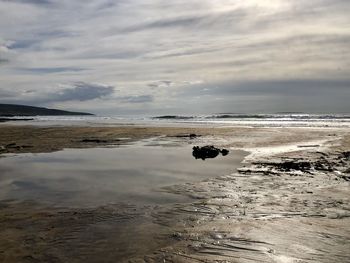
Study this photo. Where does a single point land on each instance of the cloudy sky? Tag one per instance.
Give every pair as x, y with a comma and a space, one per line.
176, 57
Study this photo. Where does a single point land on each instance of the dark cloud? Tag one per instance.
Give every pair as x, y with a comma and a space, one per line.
108, 4
81, 91
4, 60
160, 83
203, 21
7, 94
36, 40
57, 33
51, 70
301, 87
173, 22
136, 99
187, 52
34, 2
302, 40
166, 23
23, 44
306, 95
115, 55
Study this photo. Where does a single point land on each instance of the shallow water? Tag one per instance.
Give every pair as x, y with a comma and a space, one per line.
132, 173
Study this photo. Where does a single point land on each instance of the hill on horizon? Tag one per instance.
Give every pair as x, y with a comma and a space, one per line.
10, 110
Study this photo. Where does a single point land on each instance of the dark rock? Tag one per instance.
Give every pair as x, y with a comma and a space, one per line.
205, 152
299, 166
224, 152
287, 166
94, 141
14, 146
323, 165
346, 177
177, 236
322, 153
208, 151
345, 155
191, 135
26, 146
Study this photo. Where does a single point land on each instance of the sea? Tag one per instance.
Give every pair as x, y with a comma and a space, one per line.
217, 120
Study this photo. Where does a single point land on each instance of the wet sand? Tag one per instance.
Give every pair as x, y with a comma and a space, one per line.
265, 212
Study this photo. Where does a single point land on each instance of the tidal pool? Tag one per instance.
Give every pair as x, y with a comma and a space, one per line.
132, 173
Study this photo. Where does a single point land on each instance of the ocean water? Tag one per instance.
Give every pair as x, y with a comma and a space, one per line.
227, 119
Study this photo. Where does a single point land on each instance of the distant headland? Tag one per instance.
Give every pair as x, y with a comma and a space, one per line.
11, 110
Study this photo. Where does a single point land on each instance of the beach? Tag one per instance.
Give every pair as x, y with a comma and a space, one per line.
286, 201
179, 131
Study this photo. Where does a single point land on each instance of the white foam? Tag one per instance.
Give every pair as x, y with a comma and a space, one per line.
259, 152
284, 259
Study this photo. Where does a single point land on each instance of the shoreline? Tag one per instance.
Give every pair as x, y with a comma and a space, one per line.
37, 139
264, 212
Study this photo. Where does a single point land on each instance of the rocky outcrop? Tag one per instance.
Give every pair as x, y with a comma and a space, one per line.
208, 151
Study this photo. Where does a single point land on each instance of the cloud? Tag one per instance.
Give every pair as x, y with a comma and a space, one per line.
5, 53
51, 70
161, 84
136, 99
150, 50
291, 87
302, 95
7, 94
36, 2
81, 91
167, 23
23, 44
76, 92
4, 60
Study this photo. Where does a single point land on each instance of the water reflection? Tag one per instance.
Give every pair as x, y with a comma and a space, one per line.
89, 177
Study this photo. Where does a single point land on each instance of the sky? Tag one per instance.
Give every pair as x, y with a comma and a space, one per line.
176, 57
